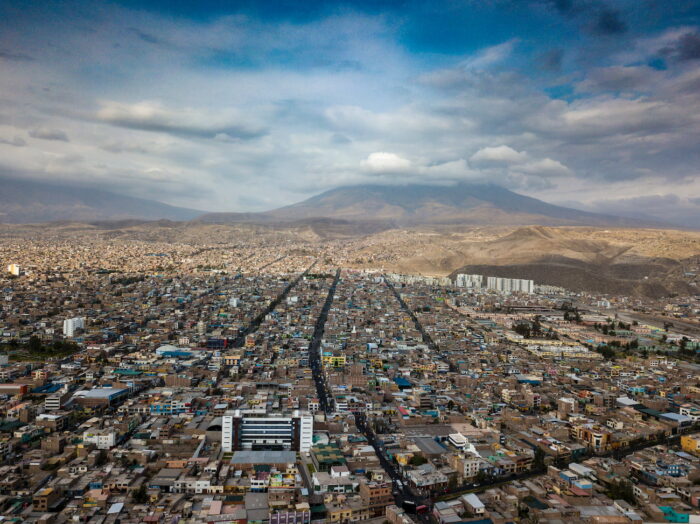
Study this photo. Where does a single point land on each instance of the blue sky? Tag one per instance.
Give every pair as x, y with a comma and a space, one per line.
251, 105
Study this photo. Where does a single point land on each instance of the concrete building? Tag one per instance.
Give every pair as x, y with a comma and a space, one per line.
260, 431
510, 285
70, 325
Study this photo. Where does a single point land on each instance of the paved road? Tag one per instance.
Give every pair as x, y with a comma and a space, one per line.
324, 398
255, 323
401, 494
426, 337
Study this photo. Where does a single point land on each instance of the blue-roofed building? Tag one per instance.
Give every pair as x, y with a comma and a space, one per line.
403, 383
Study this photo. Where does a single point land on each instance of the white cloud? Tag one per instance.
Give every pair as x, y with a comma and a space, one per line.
490, 55
499, 154
382, 162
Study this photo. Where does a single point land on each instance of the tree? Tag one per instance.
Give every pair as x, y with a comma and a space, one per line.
35, 345
418, 460
140, 496
482, 477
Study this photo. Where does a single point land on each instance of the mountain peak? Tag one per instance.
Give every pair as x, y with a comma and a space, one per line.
417, 204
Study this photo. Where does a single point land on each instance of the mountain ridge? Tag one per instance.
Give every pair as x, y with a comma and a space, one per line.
423, 204
352, 209
23, 201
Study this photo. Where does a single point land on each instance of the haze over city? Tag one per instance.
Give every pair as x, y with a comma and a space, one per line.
334, 262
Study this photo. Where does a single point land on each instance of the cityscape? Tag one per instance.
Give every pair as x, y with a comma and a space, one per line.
336, 262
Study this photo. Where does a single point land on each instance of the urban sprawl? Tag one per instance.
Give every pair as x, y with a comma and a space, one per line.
266, 383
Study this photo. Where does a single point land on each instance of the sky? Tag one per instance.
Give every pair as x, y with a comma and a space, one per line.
247, 106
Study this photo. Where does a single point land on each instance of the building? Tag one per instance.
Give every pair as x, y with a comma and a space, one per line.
691, 443
376, 496
70, 325
45, 499
510, 285
56, 401
101, 438
469, 281
100, 397
261, 431
14, 269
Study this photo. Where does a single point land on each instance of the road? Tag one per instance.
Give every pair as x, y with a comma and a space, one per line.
325, 400
426, 337
255, 323
403, 494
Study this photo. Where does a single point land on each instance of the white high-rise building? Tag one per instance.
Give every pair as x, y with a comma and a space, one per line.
510, 285
255, 430
14, 269
469, 281
70, 325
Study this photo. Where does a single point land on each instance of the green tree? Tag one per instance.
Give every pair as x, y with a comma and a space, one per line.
140, 496
35, 345
418, 460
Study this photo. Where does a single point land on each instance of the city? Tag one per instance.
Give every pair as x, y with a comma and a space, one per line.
144, 382
350, 261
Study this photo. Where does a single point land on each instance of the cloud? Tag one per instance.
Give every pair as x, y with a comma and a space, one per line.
518, 166
544, 168
498, 155
235, 112
551, 60
620, 78
608, 22
686, 48
382, 162
490, 56
45, 133
668, 208
186, 122
14, 56
16, 141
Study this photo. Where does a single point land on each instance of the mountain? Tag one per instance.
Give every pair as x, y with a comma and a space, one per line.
30, 202
412, 205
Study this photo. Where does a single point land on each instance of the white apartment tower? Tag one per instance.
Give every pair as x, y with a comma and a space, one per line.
70, 325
